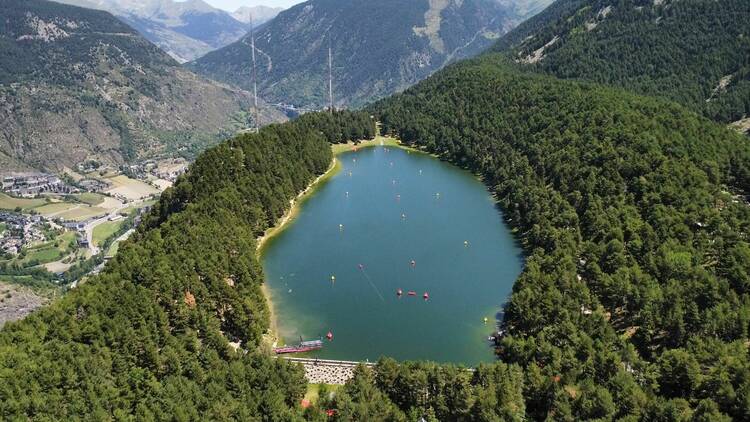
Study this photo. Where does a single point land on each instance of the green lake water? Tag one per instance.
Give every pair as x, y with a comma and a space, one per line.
385, 208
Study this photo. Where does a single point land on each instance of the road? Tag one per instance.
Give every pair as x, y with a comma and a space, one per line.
89, 228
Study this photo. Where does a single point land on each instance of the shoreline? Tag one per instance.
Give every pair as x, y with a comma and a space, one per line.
271, 336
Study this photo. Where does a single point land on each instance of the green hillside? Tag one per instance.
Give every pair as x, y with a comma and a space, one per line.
691, 51
633, 304
148, 339
634, 300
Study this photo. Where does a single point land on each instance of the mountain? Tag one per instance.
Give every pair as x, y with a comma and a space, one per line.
184, 29
379, 47
256, 15
692, 51
79, 84
634, 301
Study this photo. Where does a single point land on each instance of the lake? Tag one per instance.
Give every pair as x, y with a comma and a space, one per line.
392, 219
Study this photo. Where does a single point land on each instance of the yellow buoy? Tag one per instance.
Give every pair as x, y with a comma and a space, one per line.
333, 278
485, 320
466, 243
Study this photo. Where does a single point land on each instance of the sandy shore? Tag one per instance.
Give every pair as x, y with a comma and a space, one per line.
272, 337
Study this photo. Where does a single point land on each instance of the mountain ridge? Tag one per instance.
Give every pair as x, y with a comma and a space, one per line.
378, 48
184, 29
83, 85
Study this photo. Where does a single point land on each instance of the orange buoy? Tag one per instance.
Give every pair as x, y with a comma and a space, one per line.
426, 295
329, 336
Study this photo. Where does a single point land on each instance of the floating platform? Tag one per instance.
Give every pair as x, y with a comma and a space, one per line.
305, 346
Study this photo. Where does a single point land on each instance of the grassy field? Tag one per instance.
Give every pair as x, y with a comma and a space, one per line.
49, 251
55, 208
82, 213
103, 231
130, 188
89, 198
10, 203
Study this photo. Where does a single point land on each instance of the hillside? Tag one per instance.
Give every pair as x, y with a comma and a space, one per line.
379, 47
184, 29
634, 301
149, 338
633, 305
691, 51
78, 84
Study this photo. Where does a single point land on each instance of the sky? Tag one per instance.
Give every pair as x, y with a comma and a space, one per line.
232, 5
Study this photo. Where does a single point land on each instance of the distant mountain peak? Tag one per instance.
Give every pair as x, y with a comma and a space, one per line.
258, 14
379, 47
184, 29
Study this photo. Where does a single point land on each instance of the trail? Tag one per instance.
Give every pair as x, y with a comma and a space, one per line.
369, 280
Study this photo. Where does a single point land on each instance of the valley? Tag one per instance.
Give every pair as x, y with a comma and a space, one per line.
510, 210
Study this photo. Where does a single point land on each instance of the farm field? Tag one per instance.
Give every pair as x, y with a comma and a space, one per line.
82, 213
130, 188
90, 198
11, 203
103, 231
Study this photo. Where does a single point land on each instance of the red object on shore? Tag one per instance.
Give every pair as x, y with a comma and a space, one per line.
426, 295
399, 292
412, 293
329, 336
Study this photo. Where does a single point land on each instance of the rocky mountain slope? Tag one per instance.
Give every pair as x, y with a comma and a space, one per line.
257, 15
379, 47
691, 51
184, 29
79, 84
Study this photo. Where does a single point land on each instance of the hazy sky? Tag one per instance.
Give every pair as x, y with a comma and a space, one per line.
232, 5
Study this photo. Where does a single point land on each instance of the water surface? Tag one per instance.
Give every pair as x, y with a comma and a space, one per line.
384, 209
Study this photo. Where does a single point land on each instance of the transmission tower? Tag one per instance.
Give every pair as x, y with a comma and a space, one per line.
330, 75
256, 117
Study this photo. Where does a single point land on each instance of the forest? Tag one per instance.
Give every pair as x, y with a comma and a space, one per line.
694, 52
634, 301
149, 338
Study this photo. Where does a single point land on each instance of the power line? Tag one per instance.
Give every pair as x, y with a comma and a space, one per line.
330, 75
255, 77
